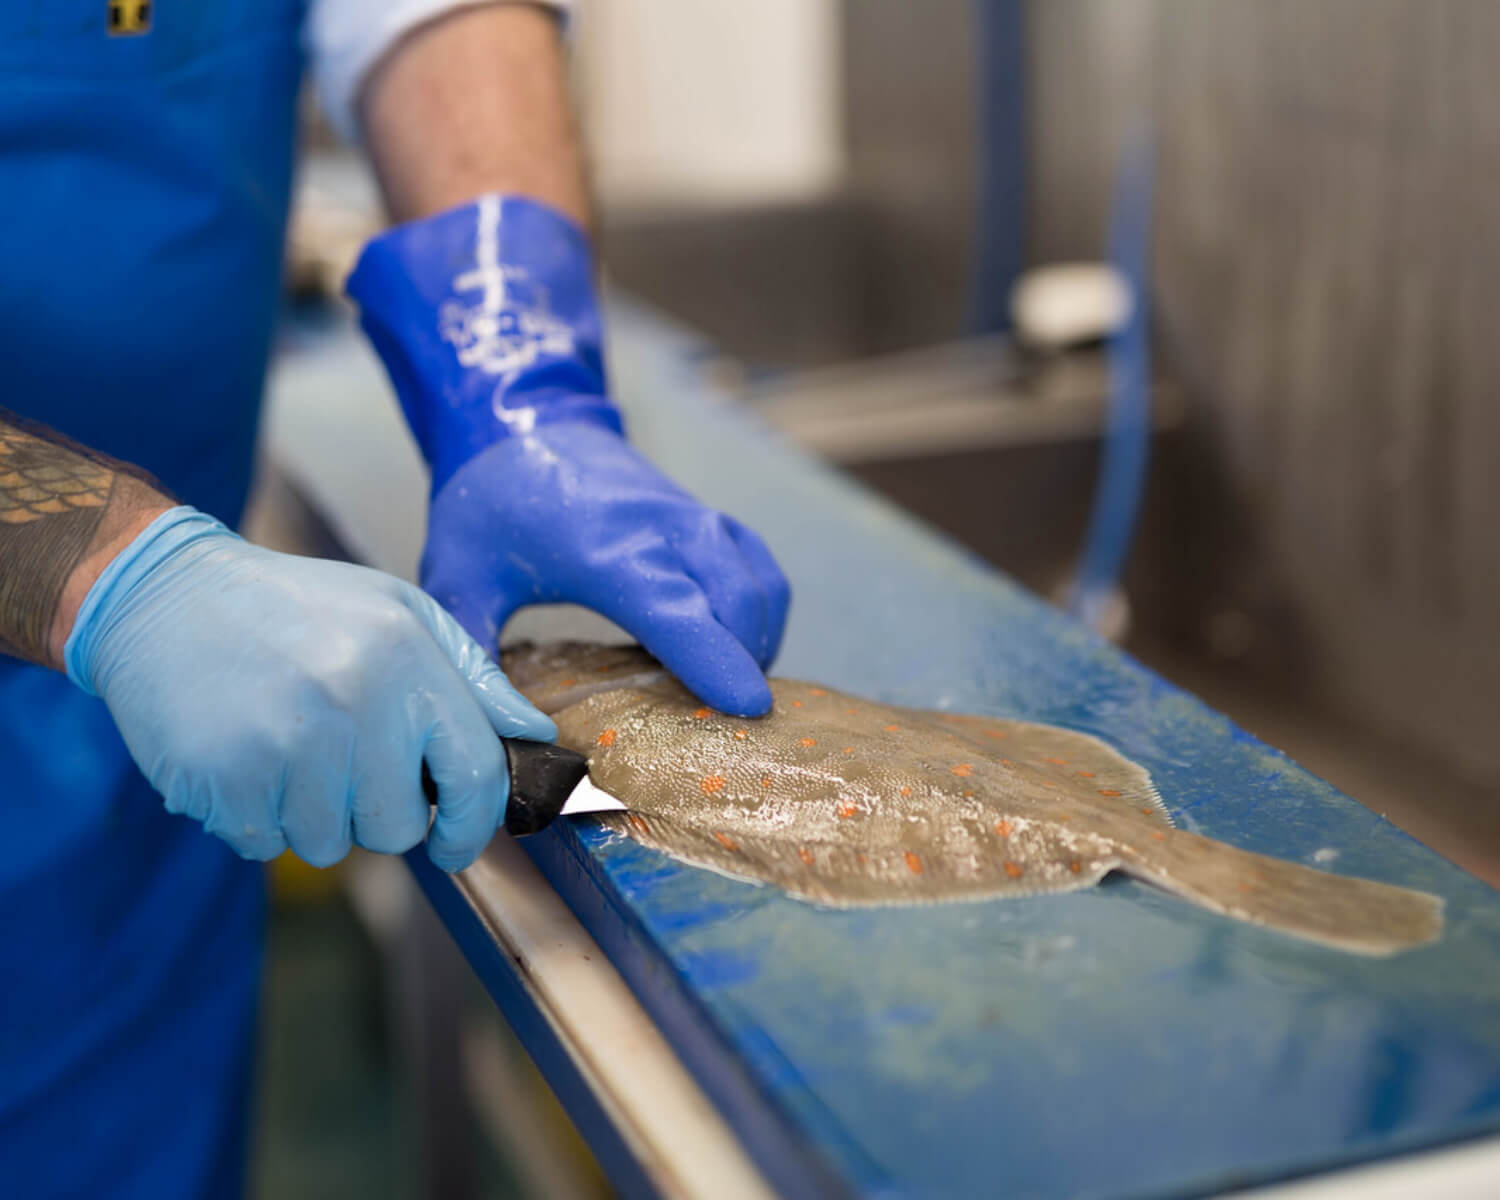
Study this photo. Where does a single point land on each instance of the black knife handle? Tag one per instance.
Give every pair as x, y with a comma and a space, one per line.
542, 777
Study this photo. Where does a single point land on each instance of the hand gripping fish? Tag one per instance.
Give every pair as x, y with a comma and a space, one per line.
845, 802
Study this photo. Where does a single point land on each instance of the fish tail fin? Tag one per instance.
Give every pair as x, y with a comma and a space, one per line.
1356, 915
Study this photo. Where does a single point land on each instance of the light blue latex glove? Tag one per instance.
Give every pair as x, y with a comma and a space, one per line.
285, 701
486, 319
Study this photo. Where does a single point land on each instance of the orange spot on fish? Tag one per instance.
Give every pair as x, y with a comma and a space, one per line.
913, 863
606, 739
848, 749
998, 734
796, 704
1148, 812
968, 792
726, 841
906, 791
1064, 818
963, 770
765, 781
700, 714
1052, 783
817, 692
741, 734
1005, 762
893, 729
863, 859
1159, 836
1056, 762
1075, 866
851, 711
1003, 828
809, 741
1108, 792
1014, 870
846, 811
711, 784
805, 855
1086, 774
638, 823
567, 682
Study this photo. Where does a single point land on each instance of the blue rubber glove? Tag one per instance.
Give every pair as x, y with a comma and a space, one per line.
285, 701
486, 319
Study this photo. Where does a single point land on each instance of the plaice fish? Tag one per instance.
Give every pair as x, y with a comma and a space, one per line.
842, 801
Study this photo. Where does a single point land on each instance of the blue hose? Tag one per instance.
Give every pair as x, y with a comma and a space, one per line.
1127, 445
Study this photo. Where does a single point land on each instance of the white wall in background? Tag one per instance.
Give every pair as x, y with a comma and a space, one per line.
694, 101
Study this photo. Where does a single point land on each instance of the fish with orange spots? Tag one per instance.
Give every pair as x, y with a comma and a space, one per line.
940, 817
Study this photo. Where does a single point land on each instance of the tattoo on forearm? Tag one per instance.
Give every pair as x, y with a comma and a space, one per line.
58, 504
52, 501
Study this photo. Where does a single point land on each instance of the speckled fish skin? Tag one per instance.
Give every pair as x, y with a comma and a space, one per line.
842, 801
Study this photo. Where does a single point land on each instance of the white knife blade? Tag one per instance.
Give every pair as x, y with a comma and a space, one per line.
586, 798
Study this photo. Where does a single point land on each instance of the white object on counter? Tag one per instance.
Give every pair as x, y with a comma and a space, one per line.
1067, 304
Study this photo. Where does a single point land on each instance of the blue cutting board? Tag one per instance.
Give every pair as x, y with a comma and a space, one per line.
1110, 1043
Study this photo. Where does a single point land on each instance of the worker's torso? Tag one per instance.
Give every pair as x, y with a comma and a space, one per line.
145, 155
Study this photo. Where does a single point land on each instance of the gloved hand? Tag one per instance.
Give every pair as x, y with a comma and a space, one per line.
286, 701
572, 513
486, 319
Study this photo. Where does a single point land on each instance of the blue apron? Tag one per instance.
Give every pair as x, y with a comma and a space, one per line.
144, 176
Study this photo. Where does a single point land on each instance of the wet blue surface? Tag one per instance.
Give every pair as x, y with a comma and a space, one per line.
1114, 1042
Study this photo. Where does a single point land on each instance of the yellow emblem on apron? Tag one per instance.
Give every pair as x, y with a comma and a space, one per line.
128, 17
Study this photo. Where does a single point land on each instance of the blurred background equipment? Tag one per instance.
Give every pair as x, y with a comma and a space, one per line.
876, 211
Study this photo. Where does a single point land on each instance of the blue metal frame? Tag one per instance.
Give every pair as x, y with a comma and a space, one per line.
776, 1146
504, 979
1000, 221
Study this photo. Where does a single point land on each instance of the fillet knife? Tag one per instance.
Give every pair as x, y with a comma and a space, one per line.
546, 782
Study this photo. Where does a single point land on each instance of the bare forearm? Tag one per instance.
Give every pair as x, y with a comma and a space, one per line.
476, 102
63, 515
